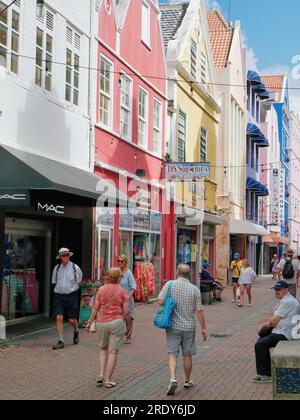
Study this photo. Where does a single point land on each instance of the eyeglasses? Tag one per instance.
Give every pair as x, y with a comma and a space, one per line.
120, 261
65, 255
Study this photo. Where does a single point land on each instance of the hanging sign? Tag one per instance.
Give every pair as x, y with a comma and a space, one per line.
187, 171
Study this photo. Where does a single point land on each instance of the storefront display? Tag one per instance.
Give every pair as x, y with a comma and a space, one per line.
144, 275
187, 250
89, 292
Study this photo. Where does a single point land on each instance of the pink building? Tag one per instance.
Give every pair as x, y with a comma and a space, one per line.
130, 133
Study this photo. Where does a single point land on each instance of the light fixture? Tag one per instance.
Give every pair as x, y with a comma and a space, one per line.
40, 9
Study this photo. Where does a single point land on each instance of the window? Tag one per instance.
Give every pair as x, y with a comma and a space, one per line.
106, 91
44, 52
146, 23
143, 120
181, 137
203, 145
9, 37
72, 66
157, 126
203, 69
126, 106
193, 59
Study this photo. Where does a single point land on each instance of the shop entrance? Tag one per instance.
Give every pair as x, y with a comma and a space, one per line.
104, 252
26, 279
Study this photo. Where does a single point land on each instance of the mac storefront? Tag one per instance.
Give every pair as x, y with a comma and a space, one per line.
44, 205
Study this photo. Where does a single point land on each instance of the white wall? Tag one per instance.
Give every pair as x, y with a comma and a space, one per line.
44, 122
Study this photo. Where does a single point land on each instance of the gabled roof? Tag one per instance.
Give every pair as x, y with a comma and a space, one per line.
172, 16
274, 84
221, 35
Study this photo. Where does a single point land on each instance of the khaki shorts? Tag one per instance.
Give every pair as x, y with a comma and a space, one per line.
111, 334
184, 340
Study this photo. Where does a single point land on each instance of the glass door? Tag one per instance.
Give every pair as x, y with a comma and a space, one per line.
22, 292
104, 247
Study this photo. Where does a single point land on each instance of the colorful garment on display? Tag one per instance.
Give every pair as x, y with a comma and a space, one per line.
89, 291
144, 275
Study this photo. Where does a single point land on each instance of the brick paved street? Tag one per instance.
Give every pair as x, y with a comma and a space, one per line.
223, 367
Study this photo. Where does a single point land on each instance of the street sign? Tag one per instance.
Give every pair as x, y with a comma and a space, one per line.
187, 171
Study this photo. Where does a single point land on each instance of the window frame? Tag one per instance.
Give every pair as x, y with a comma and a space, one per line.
184, 115
72, 68
46, 32
202, 131
110, 96
146, 41
10, 30
194, 58
145, 120
128, 109
157, 129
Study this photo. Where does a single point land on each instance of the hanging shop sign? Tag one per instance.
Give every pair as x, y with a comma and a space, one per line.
187, 171
282, 196
14, 198
275, 197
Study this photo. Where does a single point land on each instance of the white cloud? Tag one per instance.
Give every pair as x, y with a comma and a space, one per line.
213, 5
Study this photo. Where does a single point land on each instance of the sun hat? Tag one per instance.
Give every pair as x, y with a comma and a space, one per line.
64, 251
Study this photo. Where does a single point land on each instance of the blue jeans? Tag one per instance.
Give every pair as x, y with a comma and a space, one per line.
262, 353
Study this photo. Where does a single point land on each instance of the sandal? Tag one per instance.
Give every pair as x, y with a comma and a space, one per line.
127, 340
100, 380
110, 384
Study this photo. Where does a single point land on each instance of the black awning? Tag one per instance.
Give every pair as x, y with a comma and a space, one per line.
23, 170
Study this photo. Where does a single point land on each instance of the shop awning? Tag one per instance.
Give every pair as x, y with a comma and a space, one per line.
273, 238
254, 77
245, 228
256, 187
23, 170
257, 136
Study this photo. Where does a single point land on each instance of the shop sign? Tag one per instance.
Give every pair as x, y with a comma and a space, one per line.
187, 171
126, 219
51, 208
141, 220
275, 197
156, 221
282, 196
105, 218
15, 198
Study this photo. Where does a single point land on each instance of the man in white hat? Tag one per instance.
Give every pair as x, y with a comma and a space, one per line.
67, 278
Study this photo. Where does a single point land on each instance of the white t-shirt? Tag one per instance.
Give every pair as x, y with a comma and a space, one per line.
286, 309
296, 268
247, 276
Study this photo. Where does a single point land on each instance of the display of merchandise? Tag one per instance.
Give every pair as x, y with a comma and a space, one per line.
89, 291
144, 275
140, 247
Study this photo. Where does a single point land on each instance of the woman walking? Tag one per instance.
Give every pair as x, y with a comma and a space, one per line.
129, 285
275, 268
111, 308
245, 282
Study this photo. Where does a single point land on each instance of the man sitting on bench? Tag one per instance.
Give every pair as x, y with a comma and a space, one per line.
211, 282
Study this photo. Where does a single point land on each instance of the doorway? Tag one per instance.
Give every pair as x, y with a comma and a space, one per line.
104, 252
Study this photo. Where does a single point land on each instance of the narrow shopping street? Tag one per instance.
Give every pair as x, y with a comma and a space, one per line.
223, 368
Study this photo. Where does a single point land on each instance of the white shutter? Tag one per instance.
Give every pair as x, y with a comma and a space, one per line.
69, 35
77, 41
50, 21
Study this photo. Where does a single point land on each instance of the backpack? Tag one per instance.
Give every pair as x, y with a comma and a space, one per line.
163, 317
288, 271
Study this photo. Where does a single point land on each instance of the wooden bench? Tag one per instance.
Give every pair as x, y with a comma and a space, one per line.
286, 370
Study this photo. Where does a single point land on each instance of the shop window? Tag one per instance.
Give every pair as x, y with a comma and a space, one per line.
125, 246
155, 259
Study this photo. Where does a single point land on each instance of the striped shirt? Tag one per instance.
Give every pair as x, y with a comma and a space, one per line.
188, 298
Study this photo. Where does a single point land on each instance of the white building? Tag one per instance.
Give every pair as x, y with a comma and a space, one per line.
294, 183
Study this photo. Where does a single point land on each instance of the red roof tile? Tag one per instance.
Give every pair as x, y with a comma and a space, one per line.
274, 84
220, 37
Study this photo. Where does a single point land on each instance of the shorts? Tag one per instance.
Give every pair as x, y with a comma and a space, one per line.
111, 334
184, 340
235, 279
66, 305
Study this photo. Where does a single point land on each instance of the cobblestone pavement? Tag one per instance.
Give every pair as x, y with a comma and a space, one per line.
223, 367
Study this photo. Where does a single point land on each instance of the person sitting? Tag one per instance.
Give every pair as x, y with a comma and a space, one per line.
214, 284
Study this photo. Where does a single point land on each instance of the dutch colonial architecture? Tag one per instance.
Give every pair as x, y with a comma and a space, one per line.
130, 135
278, 85
193, 119
47, 191
231, 157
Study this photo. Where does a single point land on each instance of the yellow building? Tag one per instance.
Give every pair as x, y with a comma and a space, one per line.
193, 121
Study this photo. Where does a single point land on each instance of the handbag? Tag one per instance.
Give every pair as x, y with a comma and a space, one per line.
93, 328
163, 316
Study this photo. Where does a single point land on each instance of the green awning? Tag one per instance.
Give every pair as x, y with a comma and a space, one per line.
22, 170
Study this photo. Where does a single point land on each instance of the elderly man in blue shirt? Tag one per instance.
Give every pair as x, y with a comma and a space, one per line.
208, 280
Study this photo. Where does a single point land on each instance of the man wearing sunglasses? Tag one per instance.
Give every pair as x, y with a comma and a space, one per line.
67, 278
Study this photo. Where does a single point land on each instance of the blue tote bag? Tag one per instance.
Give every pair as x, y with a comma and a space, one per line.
163, 317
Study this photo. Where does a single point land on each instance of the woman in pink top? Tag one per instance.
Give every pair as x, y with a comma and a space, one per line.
111, 308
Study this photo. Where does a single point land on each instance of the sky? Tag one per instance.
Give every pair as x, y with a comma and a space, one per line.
271, 28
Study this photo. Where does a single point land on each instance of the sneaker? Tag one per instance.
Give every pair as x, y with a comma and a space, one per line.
76, 337
172, 387
233, 301
262, 379
188, 384
60, 345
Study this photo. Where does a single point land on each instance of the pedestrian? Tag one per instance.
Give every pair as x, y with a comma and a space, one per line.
129, 285
212, 283
246, 279
298, 274
275, 269
289, 268
183, 332
235, 267
280, 329
110, 309
67, 278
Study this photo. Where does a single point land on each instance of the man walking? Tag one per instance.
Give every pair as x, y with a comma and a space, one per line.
67, 278
280, 326
236, 268
183, 332
289, 268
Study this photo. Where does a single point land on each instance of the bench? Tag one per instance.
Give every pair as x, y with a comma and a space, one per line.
286, 370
